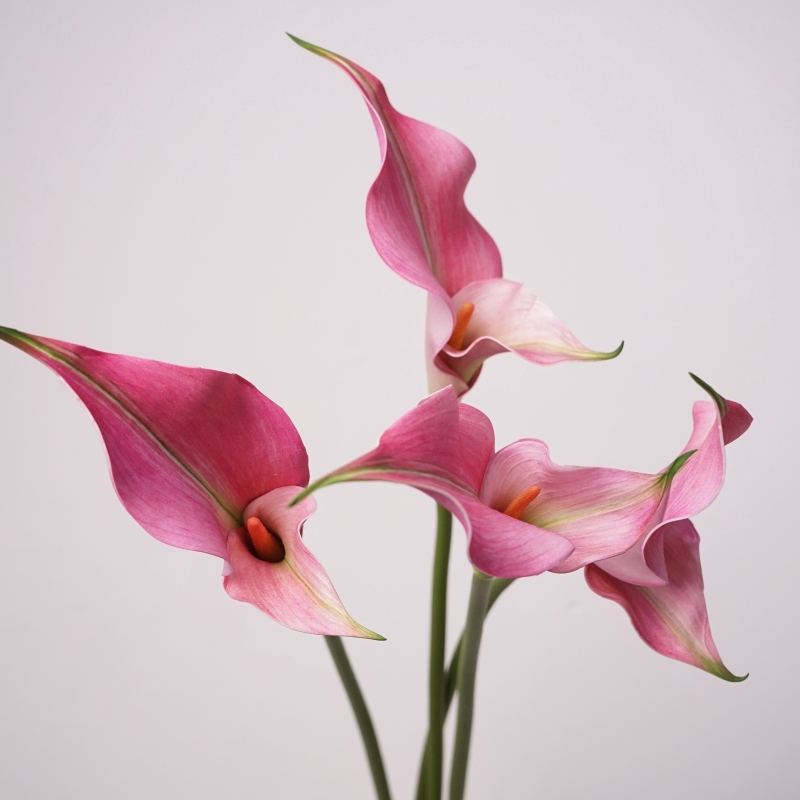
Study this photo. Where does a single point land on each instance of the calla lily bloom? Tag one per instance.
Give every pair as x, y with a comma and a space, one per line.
203, 461
422, 229
624, 522
444, 448
672, 618
613, 517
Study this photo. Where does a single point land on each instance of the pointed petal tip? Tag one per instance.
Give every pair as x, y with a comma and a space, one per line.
720, 401
719, 670
731, 678
599, 355
614, 353
326, 480
312, 48
9, 334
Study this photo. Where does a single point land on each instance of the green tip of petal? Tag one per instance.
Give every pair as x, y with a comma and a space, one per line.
610, 355
320, 51
721, 671
675, 466
16, 338
330, 480
715, 396
312, 487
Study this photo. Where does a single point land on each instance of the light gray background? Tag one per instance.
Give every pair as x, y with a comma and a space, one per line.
179, 181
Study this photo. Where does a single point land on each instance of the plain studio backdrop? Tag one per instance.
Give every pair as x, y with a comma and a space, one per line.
181, 182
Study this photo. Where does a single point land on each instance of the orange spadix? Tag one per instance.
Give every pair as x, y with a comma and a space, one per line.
518, 505
462, 321
267, 545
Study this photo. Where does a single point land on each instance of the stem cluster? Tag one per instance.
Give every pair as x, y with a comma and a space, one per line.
443, 683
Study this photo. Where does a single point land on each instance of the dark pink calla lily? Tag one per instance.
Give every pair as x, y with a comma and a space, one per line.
422, 229
672, 618
443, 447
524, 514
203, 461
613, 517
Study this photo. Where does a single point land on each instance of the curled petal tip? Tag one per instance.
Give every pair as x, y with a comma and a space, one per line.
721, 671
722, 404
612, 354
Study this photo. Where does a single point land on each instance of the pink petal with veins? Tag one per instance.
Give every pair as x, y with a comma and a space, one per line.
692, 489
188, 448
672, 619
296, 592
601, 511
506, 318
415, 209
442, 447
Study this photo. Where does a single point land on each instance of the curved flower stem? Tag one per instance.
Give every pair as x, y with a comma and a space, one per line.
499, 585
436, 712
467, 671
336, 646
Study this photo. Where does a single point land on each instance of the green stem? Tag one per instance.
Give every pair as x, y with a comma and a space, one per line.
467, 671
350, 682
499, 585
436, 712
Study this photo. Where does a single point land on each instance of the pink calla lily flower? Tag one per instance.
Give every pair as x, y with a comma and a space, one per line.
671, 618
622, 522
444, 448
422, 229
203, 461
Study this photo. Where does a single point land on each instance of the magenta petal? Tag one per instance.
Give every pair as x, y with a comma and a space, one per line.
502, 546
736, 421
295, 592
690, 490
188, 448
440, 438
415, 209
442, 447
672, 619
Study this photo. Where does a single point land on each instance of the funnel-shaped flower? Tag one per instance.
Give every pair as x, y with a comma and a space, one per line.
672, 618
203, 461
622, 521
443, 447
613, 517
422, 229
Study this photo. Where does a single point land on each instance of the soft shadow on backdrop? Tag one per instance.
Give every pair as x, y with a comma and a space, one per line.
181, 182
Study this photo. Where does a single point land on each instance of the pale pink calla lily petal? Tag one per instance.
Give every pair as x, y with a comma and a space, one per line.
601, 511
506, 318
296, 592
672, 619
442, 447
415, 209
